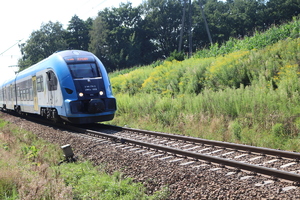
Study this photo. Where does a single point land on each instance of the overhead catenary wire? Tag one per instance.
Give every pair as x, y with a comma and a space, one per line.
94, 7
10, 47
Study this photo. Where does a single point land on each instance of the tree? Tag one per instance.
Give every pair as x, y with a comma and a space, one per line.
216, 14
118, 38
282, 10
78, 33
126, 36
42, 43
98, 43
233, 18
164, 21
244, 17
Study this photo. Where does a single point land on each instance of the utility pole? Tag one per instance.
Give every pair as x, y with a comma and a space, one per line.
205, 22
190, 29
182, 26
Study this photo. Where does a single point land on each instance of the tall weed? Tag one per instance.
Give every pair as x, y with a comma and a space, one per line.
245, 90
130, 82
227, 71
164, 79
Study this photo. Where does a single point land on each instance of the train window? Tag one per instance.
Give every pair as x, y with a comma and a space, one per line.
51, 81
84, 70
23, 95
39, 84
27, 94
18, 92
4, 93
8, 93
30, 94
13, 92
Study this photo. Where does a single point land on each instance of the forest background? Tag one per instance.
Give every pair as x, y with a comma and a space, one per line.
129, 36
243, 87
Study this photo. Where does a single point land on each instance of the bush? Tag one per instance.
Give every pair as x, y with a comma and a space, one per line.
278, 130
175, 55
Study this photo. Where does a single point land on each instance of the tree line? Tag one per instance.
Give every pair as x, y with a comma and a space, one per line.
129, 36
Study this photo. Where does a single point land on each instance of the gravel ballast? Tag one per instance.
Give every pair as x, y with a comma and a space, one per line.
184, 182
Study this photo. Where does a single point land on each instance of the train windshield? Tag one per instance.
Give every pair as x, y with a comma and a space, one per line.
84, 70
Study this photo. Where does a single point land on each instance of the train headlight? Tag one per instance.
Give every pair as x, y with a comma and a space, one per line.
80, 94
101, 93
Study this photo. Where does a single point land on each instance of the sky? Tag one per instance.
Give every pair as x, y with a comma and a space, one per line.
19, 18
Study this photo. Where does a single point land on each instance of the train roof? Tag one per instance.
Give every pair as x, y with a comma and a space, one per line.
55, 61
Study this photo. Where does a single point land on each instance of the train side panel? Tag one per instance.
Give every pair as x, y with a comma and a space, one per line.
48, 91
33, 93
9, 97
72, 85
24, 96
2, 96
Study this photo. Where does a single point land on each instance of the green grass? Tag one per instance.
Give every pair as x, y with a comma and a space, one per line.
24, 166
29, 170
88, 183
247, 94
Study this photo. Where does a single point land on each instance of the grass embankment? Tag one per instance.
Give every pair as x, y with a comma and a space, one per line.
29, 170
244, 91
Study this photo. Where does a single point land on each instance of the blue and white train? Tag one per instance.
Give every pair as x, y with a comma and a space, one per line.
72, 85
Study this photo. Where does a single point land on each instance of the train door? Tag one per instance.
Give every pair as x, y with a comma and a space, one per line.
4, 97
52, 87
35, 98
10, 97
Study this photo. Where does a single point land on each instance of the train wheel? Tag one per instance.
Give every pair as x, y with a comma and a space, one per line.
55, 117
18, 110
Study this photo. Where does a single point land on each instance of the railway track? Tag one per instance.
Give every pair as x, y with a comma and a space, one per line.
196, 151
186, 177
199, 152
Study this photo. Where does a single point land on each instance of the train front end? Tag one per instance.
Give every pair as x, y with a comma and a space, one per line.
87, 91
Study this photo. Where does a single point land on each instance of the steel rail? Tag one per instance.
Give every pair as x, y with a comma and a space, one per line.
240, 165
260, 150
248, 148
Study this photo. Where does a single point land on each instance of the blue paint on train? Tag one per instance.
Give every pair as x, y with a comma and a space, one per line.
72, 85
